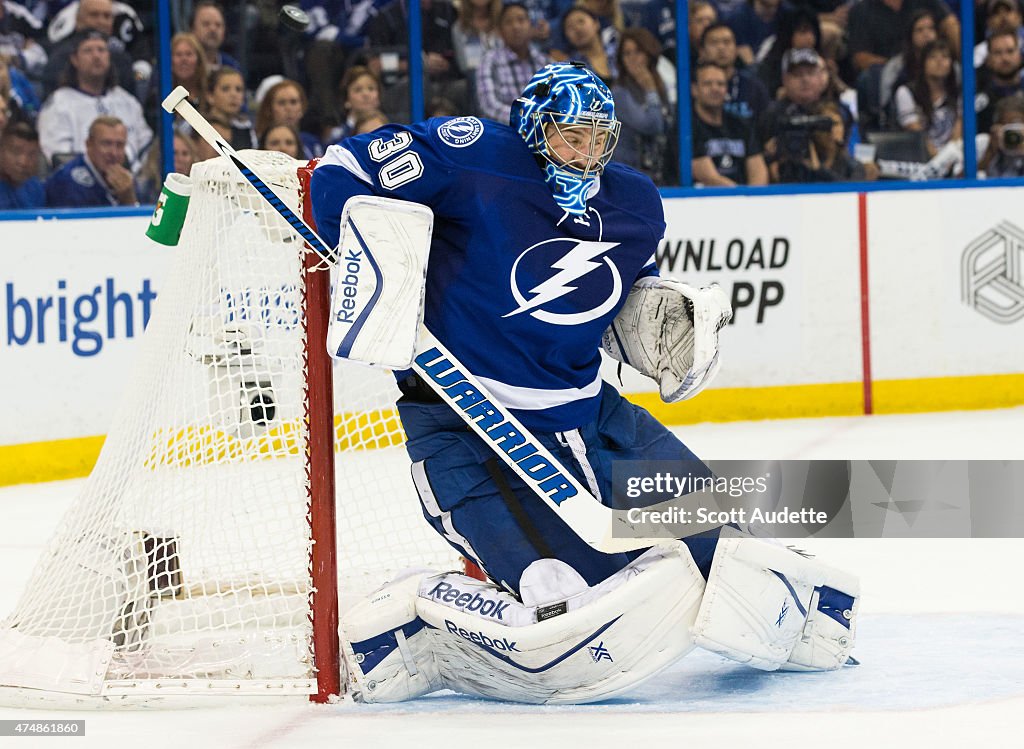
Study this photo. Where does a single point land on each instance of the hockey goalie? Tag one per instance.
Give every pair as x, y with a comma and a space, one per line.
541, 254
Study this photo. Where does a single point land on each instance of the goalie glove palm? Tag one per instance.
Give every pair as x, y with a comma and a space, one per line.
668, 330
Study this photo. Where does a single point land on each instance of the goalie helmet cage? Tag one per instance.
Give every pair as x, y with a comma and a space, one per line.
202, 555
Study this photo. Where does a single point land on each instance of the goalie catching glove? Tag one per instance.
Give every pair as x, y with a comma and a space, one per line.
668, 330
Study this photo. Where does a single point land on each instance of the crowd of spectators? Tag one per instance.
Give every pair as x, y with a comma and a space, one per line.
781, 90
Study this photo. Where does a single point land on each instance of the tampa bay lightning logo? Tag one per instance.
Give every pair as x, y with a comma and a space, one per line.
575, 259
82, 176
461, 132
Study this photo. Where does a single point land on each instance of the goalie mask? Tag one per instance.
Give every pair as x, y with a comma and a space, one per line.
567, 118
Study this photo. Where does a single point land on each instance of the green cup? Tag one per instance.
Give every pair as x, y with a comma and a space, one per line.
171, 207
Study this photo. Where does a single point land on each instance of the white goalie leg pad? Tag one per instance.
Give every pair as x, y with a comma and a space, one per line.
388, 653
772, 608
377, 305
668, 330
597, 643
448, 631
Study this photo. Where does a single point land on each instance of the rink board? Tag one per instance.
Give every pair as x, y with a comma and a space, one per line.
946, 281
907, 302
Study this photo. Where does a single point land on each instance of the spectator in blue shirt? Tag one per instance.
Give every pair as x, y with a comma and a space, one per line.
19, 163
19, 91
99, 176
341, 22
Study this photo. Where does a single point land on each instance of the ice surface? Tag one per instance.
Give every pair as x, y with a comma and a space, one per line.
939, 640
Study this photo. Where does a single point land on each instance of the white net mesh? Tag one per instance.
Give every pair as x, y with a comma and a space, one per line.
185, 561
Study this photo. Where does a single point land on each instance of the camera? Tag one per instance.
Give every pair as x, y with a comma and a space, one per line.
1011, 139
795, 134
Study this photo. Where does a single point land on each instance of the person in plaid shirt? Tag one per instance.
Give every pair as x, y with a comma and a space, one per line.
506, 69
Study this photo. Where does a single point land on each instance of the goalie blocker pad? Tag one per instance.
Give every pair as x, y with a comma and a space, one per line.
668, 330
449, 631
377, 305
773, 608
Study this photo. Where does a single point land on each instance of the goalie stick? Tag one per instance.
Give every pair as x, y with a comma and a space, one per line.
592, 521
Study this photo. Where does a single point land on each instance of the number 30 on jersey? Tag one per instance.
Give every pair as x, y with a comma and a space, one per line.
400, 170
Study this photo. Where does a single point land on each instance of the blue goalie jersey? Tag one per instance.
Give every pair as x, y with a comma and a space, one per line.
517, 289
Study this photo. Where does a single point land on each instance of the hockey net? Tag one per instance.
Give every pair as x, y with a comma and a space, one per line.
199, 556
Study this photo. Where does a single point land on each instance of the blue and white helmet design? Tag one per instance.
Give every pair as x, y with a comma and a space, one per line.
566, 106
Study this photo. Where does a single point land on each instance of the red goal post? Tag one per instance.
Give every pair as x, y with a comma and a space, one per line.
320, 400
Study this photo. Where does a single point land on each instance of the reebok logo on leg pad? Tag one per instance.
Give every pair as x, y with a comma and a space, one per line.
474, 602
480, 638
